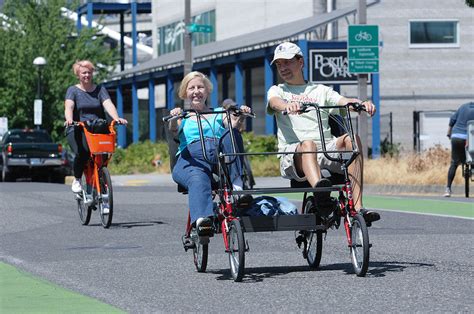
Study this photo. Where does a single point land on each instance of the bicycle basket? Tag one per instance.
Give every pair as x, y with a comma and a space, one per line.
100, 143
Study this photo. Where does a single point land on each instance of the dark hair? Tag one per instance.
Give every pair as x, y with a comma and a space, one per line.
228, 103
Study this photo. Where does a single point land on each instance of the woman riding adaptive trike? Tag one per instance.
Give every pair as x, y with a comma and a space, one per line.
311, 223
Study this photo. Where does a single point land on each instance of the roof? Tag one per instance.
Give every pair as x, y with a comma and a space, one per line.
251, 41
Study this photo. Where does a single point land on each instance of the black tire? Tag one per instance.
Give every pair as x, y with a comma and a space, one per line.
466, 171
248, 180
314, 239
235, 237
360, 245
107, 198
84, 210
200, 253
7, 176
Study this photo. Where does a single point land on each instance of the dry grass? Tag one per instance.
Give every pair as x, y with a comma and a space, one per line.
427, 168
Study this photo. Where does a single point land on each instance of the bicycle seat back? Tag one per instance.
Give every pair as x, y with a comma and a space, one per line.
470, 141
335, 178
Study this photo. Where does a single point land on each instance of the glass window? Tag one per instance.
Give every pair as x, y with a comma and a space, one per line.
171, 36
432, 34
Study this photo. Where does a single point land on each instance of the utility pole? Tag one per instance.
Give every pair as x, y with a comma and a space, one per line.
362, 87
188, 38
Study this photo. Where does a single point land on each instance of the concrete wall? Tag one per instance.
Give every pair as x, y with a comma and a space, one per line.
421, 79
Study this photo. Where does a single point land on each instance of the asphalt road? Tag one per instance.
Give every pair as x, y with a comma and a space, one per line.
419, 263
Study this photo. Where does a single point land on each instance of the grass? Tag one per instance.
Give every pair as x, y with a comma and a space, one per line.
427, 168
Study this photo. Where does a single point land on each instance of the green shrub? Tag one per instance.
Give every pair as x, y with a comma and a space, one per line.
262, 166
139, 158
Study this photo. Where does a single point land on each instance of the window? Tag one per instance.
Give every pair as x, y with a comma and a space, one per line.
171, 36
434, 33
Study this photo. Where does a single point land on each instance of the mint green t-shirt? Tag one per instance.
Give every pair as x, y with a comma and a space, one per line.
296, 128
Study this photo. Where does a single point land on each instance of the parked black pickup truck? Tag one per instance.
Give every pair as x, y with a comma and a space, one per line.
31, 153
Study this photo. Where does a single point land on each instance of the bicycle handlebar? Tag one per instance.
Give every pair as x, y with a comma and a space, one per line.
185, 113
80, 123
305, 107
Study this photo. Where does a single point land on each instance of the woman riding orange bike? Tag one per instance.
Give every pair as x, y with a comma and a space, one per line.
85, 102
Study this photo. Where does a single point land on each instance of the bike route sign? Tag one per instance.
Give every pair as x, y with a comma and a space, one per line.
363, 48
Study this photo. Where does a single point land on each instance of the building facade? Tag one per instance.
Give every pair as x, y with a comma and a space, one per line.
426, 54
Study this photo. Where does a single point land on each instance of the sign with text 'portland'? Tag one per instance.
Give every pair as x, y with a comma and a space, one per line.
330, 66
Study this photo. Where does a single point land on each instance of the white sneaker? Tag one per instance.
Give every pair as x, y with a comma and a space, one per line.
447, 193
76, 186
105, 210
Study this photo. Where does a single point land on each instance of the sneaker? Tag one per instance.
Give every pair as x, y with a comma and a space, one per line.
322, 197
447, 192
204, 226
369, 216
76, 186
105, 210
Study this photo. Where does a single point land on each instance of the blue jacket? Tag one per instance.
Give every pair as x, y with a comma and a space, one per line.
459, 120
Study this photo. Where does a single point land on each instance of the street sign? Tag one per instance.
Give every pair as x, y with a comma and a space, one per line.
38, 109
363, 48
200, 28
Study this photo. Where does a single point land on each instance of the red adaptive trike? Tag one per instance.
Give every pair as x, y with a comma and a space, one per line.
311, 224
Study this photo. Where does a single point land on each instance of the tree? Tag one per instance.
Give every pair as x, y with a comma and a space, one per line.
470, 3
38, 29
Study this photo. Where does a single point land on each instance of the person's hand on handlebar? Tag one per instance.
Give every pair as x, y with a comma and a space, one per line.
68, 122
293, 108
176, 111
368, 105
121, 121
245, 109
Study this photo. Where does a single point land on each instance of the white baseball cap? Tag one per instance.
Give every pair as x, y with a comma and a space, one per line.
287, 51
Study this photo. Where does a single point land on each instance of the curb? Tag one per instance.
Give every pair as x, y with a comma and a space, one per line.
158, 179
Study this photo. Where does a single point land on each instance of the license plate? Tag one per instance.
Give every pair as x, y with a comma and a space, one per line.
35, 161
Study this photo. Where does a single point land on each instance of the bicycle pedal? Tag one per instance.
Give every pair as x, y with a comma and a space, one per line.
300, 240
188, 243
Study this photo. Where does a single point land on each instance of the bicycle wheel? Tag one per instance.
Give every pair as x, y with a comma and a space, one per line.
83, 208
247, 175
360, 245
106, 205
466, 172
314, 239
235, 237
200, 253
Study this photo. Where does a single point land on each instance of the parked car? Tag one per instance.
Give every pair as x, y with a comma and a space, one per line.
32, 153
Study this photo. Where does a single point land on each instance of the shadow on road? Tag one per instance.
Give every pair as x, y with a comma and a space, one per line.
379, 269
257, 274
376, 269
128, 225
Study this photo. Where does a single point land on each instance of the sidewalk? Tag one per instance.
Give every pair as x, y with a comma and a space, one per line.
156, 179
